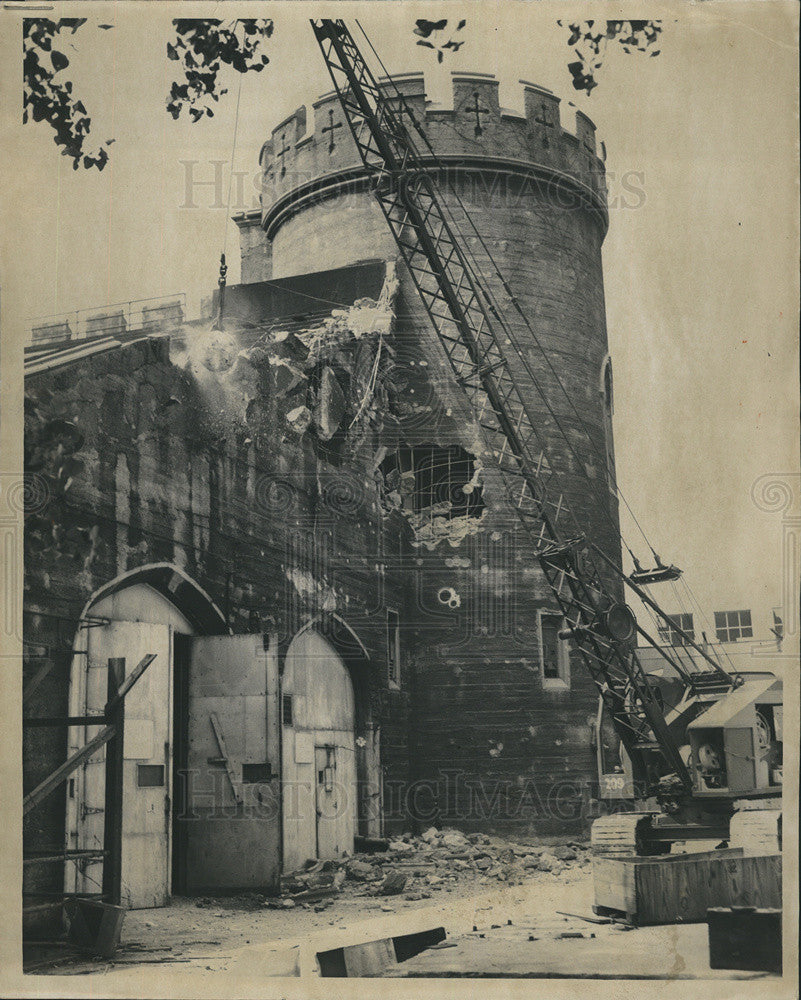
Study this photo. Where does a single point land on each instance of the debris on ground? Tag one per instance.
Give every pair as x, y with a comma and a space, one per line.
360, 871
370, 845
393, 884
416, 866
589, 920
413, 867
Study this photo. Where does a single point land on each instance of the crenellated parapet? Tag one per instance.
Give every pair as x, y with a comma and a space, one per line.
314, 155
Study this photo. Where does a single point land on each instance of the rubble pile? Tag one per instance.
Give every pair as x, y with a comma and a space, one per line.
416, 867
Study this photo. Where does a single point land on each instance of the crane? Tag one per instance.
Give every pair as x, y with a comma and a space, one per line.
585, 581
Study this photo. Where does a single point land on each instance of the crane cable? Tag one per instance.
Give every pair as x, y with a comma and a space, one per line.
231, 168
705, 620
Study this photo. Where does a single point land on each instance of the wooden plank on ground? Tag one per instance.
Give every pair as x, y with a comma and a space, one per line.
370, 959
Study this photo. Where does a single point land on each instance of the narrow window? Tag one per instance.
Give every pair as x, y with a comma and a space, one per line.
393, 648
286, 709
609, 401
668, 631
608, 410
733, 625
554, 658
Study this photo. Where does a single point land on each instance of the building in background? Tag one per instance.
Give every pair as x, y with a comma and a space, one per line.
742, 639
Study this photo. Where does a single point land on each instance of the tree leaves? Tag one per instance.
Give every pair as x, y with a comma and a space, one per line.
48, 99
202, 47
426, 29
59, 60
594, 37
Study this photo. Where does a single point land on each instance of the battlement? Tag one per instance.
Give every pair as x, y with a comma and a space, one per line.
307, 149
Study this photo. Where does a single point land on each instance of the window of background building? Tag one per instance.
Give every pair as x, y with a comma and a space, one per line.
393, 648
671, 636
733, 625
554, 656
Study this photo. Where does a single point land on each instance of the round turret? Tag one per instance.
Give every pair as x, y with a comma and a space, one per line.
314, 183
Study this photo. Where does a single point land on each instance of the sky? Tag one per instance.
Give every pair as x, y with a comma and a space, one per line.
700, 264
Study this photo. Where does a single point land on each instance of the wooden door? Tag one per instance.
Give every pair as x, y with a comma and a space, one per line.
231, 822
145, 860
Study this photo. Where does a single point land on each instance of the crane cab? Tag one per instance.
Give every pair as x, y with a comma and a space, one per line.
736, 745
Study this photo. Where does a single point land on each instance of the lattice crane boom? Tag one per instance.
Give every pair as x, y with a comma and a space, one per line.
467, 325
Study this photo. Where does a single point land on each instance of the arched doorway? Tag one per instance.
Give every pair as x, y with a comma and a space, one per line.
322, 710
200, 730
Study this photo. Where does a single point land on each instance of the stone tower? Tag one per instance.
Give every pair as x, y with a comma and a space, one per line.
502, 712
